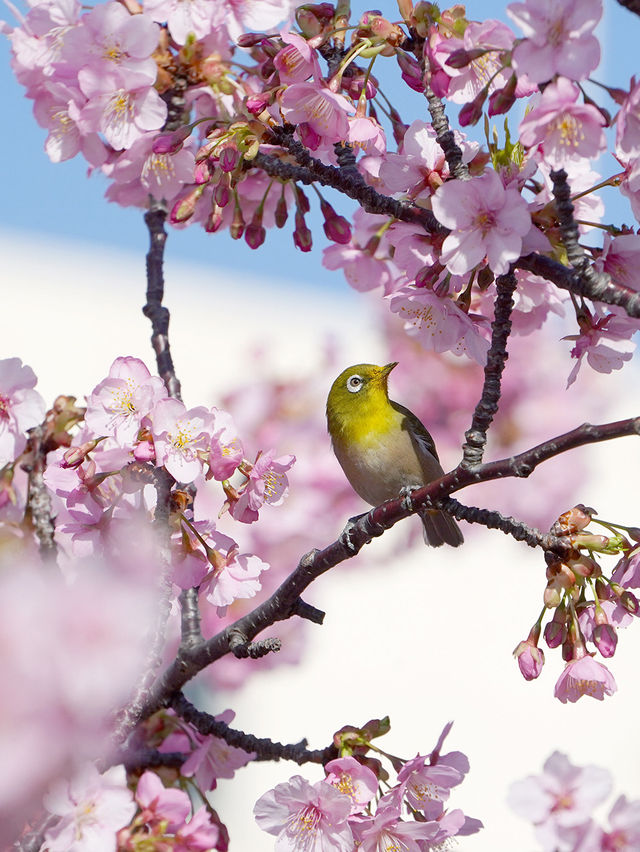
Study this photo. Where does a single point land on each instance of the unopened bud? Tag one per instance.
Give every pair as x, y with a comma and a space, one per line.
605, 639
250, 39
302, 235
282, 213
552, 594
584, 566
228, 158
184, 207
169, 143
503, 99
462, 57
576, 519
202, 172
214, 220
630, 602
337, 228
471, 112
255, 234
222, 193
555, 632
237, 224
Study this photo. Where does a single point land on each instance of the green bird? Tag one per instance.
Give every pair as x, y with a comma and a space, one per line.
382, 447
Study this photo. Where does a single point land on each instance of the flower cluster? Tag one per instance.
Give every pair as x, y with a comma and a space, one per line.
588, 607
561, 802
178, 102
347, 808
100, 812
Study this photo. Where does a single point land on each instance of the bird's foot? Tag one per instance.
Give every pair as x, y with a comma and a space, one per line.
345, 535
406, 492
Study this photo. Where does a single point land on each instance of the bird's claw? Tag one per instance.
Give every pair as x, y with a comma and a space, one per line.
405, 493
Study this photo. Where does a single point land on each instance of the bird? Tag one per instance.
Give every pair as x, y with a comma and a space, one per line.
383, 448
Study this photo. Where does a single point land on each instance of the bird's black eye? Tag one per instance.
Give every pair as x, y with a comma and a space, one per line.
354, 383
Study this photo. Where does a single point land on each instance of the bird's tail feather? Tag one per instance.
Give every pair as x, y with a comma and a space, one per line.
440, 528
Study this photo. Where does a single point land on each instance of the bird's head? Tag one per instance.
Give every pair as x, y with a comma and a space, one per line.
360, 390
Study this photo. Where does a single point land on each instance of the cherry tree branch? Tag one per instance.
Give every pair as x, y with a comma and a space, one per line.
283, 603
476, 435
154, 310
38, 497
262, 747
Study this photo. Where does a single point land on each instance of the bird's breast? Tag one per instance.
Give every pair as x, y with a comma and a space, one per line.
379, 460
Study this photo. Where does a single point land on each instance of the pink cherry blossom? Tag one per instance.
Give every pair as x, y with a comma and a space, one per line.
139, 172
324, 111
117, 405
53, 103
561, 800
354, 779
560, 129
121, 114
559, 38
386, 831
620, 258
237, 577
92, 808
197, 835
487, 221
213, 758
535, 299
199, 17
267, 483
304, 816
624, 834
160, 803
439, 324
628, 126
110, 37
487, 70
296, 61
21, 407
584, 676
226, 451
182, 438
604, 340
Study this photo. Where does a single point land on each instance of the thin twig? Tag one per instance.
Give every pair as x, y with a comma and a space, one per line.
38, 497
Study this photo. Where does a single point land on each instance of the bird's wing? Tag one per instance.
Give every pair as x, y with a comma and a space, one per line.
416, 430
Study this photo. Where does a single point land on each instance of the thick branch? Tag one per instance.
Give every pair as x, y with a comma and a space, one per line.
600, 289
154, 309
631, 5
262, 747
348, 181
476, 435
283, 602
38, 499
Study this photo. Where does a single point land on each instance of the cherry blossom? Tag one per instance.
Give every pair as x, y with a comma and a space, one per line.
160, 803
267, 482
560, 129
118, 404
182, 437
584, 676
21, 407
91, 808
354, 779
305, 816
487, 221
559, 38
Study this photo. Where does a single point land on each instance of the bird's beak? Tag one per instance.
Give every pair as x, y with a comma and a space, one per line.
384, 371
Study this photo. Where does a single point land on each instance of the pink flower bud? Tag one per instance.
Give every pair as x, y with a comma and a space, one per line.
257, 103
530, 659
228, 158
255, 234
605, 639
462, 57
237, 224
202, 172
214, 221
222, 194
630, 602
250, 39
184, 207
302, 235
144, 451
471, 112
503, 99
170, 143
555, 633
337, 228
282, 214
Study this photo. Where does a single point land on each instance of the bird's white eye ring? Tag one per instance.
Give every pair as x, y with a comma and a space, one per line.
354, 383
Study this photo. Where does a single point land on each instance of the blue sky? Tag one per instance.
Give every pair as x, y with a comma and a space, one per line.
58, 200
